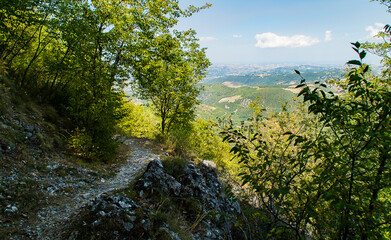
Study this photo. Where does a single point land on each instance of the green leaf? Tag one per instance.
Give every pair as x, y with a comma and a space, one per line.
363, 54
355, 62
297, 72
304, 90
323, 94
366, 69
356, 44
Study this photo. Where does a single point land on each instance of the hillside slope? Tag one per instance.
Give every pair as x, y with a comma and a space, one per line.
48, 193
223, 100
41, 183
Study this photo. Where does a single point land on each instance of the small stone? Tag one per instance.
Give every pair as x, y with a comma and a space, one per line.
146, 224
124, 204
86, 195
128, 226
11, 209
209, 164
236, 206
210, 234
96, 223
142, 194
102, 213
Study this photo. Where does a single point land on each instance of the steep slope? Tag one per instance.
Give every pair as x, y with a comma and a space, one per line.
48, 193
41, 184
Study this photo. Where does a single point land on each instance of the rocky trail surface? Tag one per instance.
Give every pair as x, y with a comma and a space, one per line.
67, 194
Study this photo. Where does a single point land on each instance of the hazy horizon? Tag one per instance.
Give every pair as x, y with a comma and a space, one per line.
285, 31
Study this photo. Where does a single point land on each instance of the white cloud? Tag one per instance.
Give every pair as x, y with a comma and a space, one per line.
374, 30
237, 36
328, 36
207, 39
272, 40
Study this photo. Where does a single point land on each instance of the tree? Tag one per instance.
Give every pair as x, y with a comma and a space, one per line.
167, 75
335, 183
74, 54
358, 154
272, 166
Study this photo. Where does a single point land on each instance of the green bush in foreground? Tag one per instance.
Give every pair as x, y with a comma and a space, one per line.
332, 183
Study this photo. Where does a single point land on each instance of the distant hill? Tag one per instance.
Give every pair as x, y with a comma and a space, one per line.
229, 89
223, 100
218, 71
276, 79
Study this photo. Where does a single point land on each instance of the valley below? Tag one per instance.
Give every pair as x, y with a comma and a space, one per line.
229, 89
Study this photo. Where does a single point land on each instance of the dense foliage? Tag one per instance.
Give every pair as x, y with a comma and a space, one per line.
139, 120
327, 177
75, 53
167, 75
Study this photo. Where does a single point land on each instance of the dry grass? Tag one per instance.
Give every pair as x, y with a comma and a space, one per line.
234, 84
230, 99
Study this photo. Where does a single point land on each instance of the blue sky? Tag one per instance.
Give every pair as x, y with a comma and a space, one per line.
285, 31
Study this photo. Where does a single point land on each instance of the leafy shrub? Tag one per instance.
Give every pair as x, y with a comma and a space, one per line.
326, 178
138, 121
81, 143
200, 140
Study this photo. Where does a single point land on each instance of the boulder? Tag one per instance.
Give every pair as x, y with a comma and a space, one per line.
197, 195
198, 182
155, 179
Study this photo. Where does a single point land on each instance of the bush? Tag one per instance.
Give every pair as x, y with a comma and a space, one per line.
200, 140
81, 143
138, 121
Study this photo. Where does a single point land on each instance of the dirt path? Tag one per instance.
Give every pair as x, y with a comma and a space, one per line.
52, 216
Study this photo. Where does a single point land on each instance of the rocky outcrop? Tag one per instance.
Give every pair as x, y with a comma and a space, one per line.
201, 182
155, 179
197, 195
197, 183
